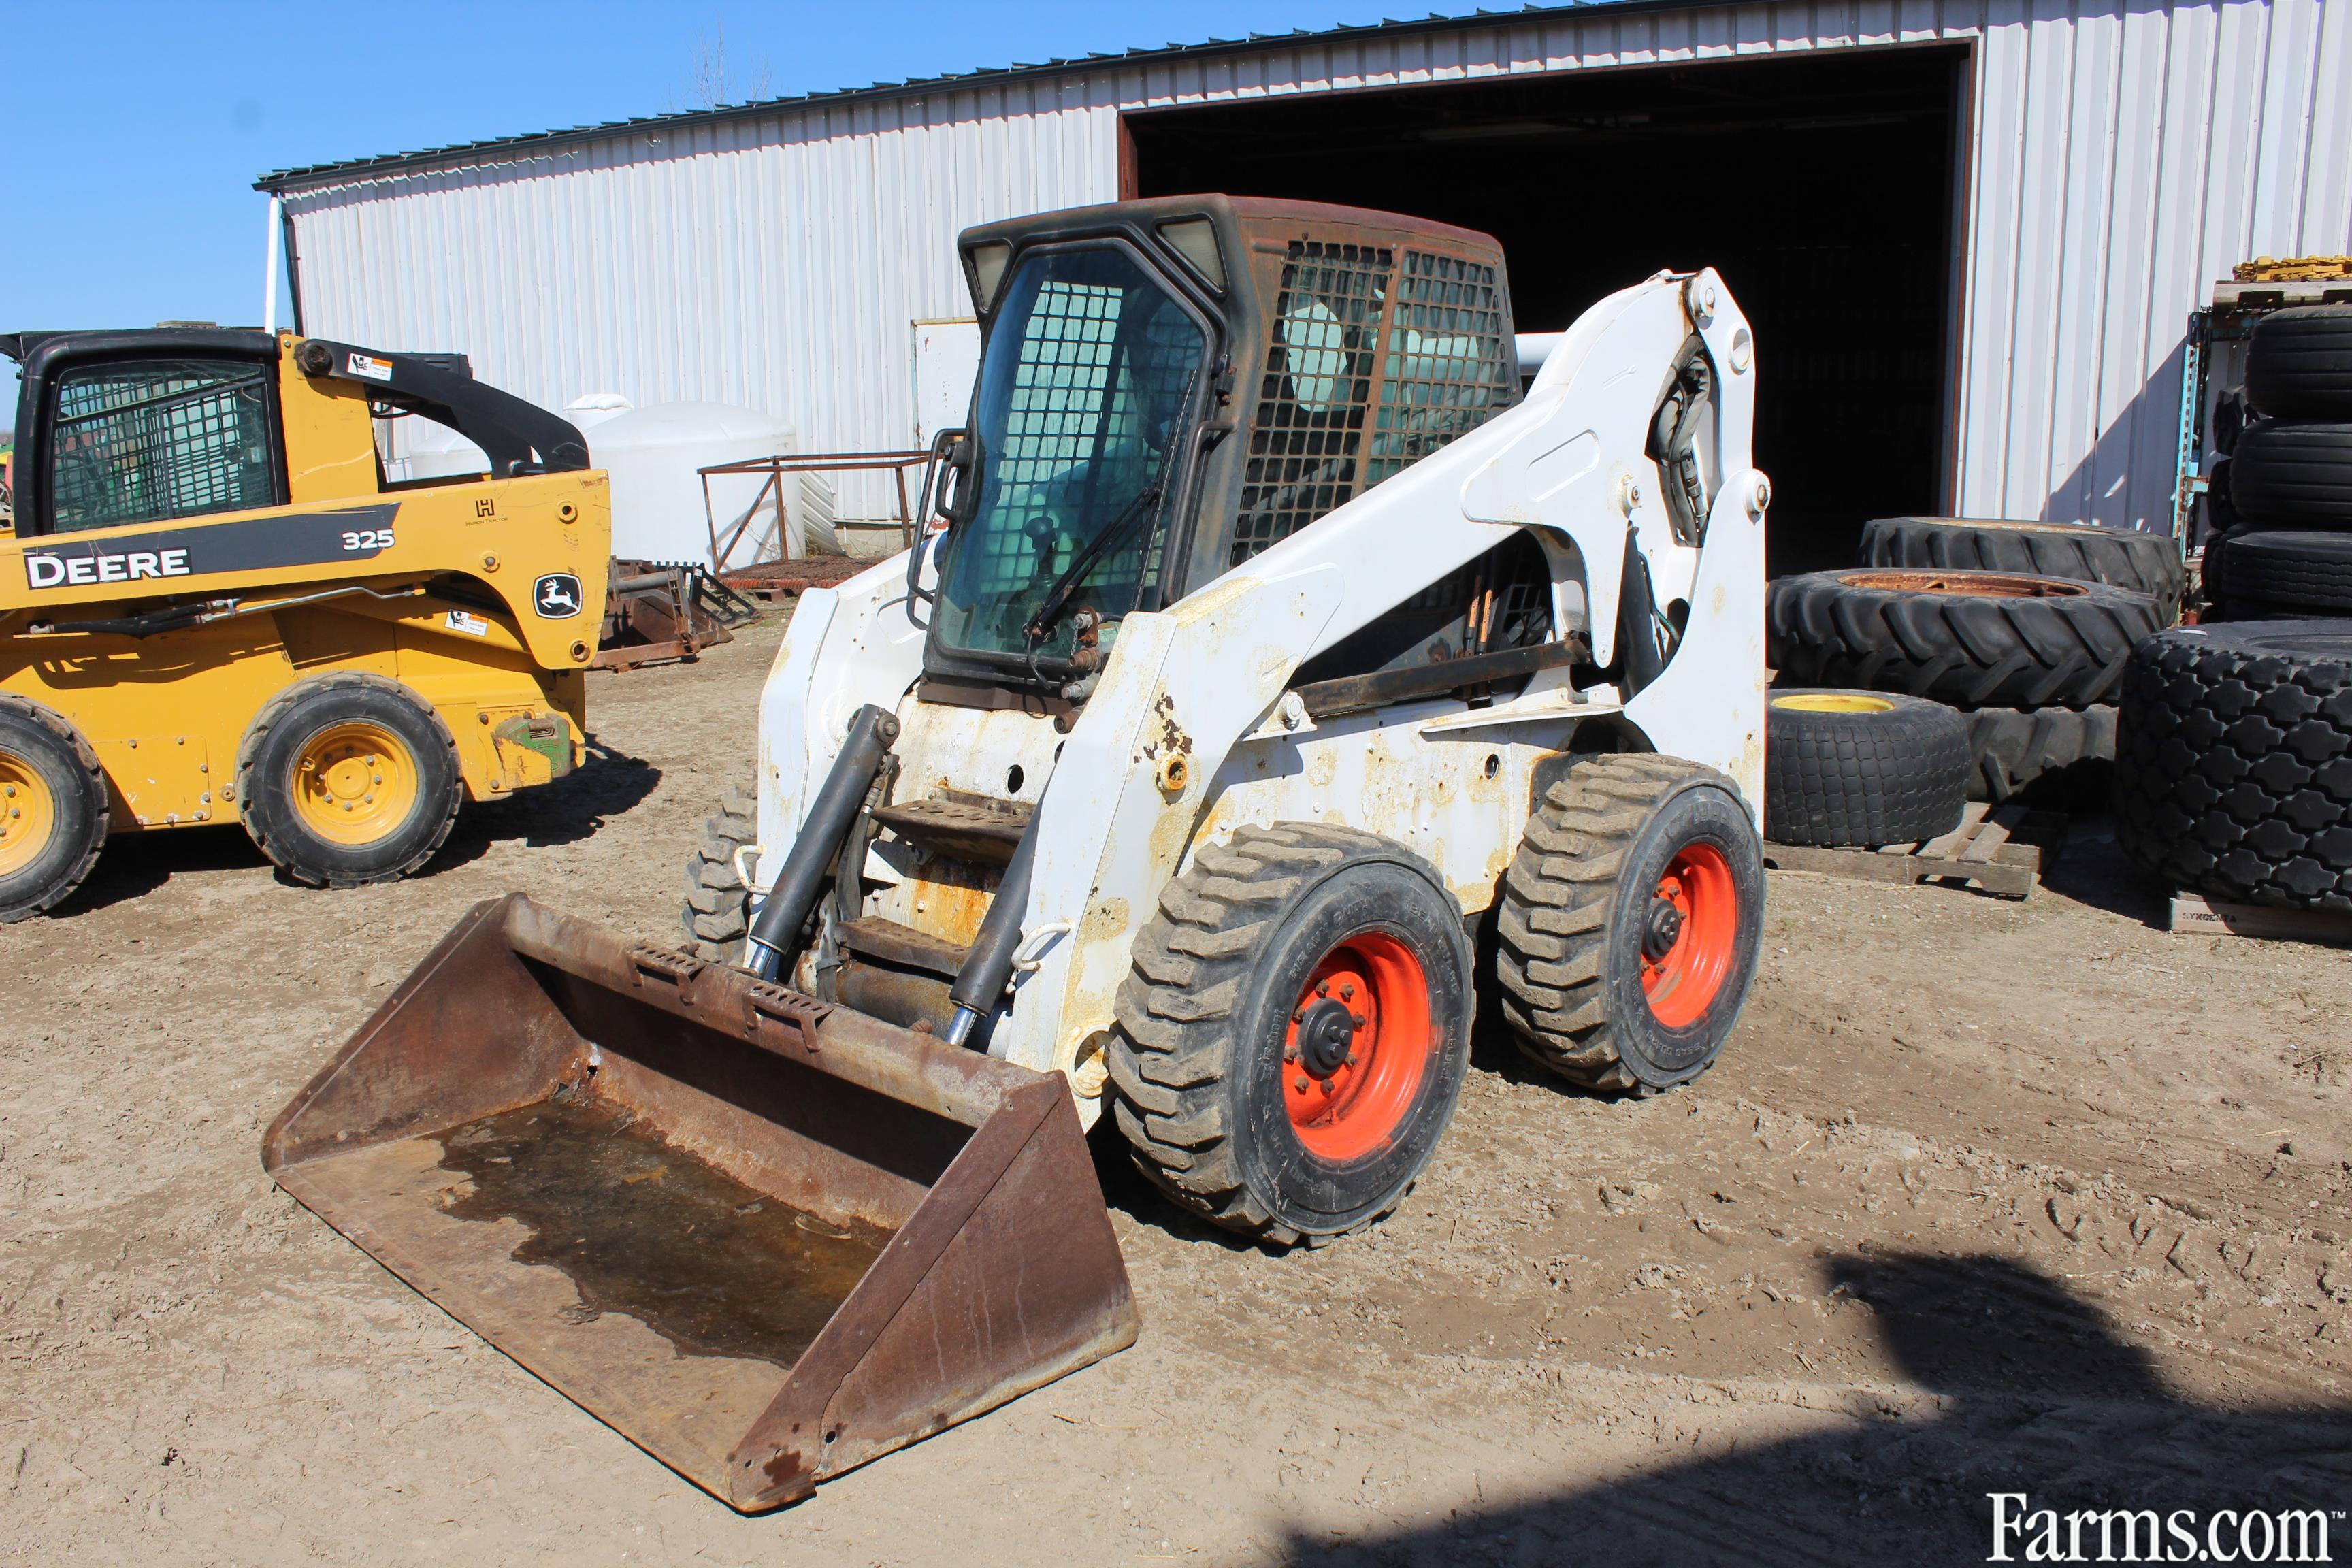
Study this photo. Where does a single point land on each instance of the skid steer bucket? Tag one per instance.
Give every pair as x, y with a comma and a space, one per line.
764, 1239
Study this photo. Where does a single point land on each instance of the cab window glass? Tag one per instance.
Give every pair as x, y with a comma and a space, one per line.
159, 438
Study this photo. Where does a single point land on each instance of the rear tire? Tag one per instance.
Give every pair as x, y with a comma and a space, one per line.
1294, 1037
1861, 767
348, 779
2148, 563
1603, 848
1974, 639
53, 808
717, 912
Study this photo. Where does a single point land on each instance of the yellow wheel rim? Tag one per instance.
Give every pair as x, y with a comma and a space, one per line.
29, 813
354, 782
1835, 702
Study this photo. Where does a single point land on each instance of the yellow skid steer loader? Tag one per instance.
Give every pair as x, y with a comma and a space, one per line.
1279, 649
214, 609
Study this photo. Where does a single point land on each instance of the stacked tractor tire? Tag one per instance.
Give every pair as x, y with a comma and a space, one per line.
2235, 754
1964, 659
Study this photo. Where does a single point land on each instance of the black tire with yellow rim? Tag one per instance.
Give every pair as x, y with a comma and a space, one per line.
348, 779
1862, 768
52, 809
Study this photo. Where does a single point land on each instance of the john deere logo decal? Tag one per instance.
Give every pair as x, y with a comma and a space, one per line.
556, 596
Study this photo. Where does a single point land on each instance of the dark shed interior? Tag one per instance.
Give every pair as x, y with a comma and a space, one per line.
1823, 189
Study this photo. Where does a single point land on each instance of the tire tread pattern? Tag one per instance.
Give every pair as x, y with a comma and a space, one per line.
717, 914
1175, 1043
1971, 650
2147, 564
1833, 778
1553, 921
2234, 761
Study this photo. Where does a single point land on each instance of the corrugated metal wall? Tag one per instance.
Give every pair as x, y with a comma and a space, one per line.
2124, 155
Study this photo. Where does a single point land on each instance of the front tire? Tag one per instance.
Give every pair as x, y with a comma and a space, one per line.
1294, 1037
1603, 985
52, 809
348, 779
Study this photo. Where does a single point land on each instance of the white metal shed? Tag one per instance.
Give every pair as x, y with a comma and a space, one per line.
1971, 231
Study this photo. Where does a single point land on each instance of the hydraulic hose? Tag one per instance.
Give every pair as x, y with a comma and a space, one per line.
988, 967
808, 869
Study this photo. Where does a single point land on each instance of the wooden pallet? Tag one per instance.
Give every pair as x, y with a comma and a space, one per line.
2194, 916
2001, 850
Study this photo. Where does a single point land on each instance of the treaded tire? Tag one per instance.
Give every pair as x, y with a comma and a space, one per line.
2146, 562
2233, 770
1974, 639
2061, 757
1197, 1063
269, 755
1895, 772
1569, 961
2310, 572
43, 744
2299, 362
2293, 475
717, 912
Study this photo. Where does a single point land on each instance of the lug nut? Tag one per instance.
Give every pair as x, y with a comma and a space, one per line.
1348, 993
1301, 1086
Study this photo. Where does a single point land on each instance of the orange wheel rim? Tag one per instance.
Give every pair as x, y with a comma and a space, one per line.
1690, 932
1357, 1047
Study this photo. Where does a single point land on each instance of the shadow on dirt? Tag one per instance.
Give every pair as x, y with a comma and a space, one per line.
608, 785
134, 863
2094, 870
2040, 1394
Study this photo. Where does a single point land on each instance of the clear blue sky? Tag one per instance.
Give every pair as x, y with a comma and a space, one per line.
136, 130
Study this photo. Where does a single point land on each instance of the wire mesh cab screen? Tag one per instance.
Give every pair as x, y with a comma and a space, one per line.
149, 440
1084, 384
1355, 331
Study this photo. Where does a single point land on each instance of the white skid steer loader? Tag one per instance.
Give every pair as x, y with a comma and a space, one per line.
1274, 650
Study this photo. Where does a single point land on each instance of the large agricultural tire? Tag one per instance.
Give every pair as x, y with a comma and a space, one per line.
2059, 757
1974, 639
1862, 768
717, 912
2148, 563
2293, 475
2299, 362
347, 780
1295, 1033
2304, 571
2233, 773
1630, 923
53, 807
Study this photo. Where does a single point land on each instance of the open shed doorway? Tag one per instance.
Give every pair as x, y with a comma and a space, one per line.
1822, 188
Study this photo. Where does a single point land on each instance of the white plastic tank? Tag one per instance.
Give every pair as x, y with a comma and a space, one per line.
594, 408
654, 456
416, 448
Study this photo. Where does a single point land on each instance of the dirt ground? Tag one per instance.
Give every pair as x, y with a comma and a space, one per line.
1983, 1196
